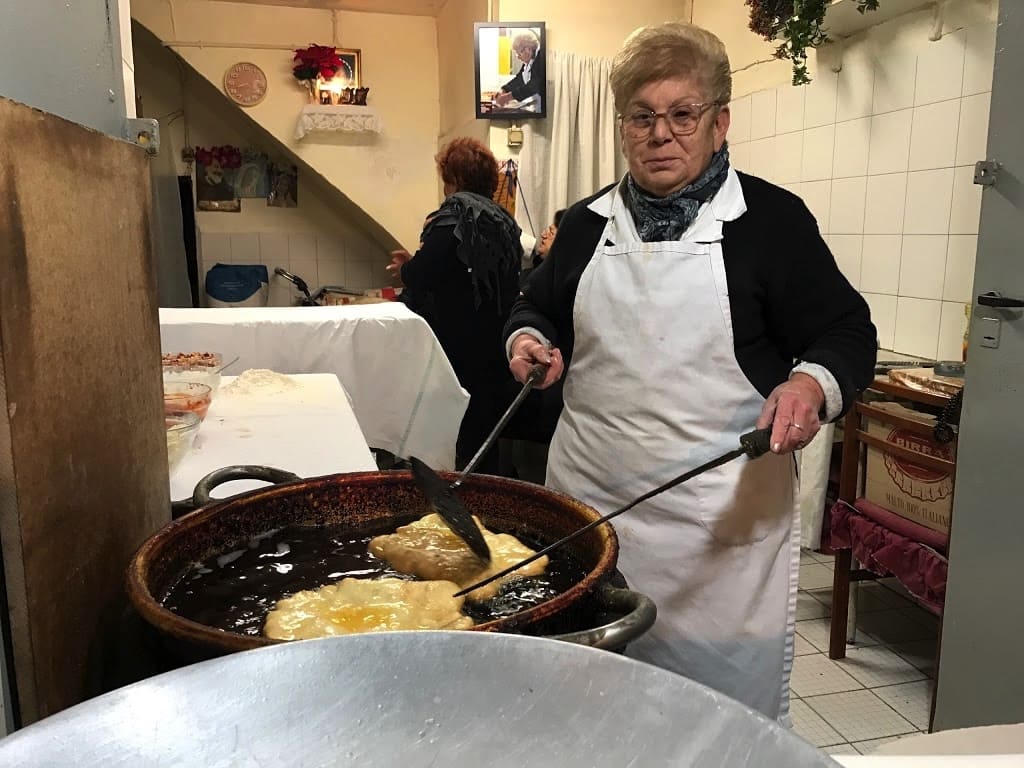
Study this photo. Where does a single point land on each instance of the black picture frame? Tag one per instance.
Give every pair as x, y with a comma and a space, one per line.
498, 70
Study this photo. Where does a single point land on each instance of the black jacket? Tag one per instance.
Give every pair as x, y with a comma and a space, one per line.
520, 90
788, 299
441, 291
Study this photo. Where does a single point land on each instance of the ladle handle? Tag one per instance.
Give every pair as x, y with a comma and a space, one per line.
757, 443
536, 374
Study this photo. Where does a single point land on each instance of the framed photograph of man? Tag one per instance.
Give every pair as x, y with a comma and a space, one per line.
215, 188
511, 80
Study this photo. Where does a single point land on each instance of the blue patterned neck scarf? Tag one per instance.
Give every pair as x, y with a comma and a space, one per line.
660, 219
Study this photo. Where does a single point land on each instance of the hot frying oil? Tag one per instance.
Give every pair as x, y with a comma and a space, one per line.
235, 590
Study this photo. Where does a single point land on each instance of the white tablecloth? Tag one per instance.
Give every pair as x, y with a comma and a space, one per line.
931, 761
309, 430
404, 392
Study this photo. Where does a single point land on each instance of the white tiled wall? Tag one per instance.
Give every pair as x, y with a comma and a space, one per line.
882, 153
318, 258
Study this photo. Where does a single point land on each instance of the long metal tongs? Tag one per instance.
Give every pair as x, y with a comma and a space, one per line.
753, 445
442, 495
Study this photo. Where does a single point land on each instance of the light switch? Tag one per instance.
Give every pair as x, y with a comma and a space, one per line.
988, 330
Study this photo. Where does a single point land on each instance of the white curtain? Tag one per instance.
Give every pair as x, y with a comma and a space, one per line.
575, 151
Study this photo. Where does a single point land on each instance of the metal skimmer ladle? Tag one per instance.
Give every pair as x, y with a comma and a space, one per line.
442, 495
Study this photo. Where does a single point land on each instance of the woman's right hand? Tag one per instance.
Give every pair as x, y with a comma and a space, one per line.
398, 260
527, 351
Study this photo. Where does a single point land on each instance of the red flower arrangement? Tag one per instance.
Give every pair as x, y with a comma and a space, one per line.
226, 156
316, 61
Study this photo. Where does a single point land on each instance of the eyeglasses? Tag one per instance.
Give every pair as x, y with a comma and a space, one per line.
682, 119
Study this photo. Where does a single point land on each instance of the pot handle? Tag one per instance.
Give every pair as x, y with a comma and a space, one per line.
204, 488
640, 613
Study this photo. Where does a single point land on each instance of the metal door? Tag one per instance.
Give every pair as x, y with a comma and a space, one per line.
981, 675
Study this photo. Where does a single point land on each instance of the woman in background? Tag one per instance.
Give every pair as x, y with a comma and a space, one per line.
464, 280
540, 250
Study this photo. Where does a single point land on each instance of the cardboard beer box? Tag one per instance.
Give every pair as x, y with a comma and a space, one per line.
922, 495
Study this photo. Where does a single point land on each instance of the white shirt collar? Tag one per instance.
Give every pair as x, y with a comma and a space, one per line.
527, 71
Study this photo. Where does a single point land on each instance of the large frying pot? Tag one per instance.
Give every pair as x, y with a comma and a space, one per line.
413, 699
370, 501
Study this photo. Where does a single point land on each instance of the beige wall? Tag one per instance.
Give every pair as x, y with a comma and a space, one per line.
578, 26
457, 69
323, 240
593, 28
391, 176
750, 55
583, 27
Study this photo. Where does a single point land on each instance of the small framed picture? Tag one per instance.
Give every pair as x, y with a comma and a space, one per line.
351, 73
511, 81
284, 186
325, 95
215, 188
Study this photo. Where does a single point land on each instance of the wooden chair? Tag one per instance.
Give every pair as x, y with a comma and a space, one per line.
930, 546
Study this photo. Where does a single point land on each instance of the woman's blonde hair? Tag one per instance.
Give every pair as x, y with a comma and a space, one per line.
672, 49
526, 39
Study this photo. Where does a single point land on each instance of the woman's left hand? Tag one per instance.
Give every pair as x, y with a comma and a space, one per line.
398, 260
791, 410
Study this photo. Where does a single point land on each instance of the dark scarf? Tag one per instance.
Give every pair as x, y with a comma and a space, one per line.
666, 218
487, 242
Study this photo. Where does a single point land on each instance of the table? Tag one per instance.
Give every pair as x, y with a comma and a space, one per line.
814, 462
310, 430
930, 761
404, 392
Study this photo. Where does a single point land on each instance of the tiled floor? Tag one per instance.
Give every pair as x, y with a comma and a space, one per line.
882, 689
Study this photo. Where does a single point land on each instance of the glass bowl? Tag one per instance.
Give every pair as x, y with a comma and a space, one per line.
198, 374
212, 360
187, 396
182, 427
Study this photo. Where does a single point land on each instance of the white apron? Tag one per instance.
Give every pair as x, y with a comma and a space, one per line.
654, 389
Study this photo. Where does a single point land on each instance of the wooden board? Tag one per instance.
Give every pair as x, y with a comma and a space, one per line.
83, 468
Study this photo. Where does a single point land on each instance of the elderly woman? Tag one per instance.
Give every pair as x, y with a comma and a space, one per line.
464, 280
529, 82
543, 245
686, 304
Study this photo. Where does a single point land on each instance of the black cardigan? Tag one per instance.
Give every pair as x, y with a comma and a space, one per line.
788, 299
521, 91
439, 288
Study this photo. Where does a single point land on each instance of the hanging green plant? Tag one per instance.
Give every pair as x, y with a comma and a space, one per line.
798, 24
